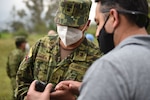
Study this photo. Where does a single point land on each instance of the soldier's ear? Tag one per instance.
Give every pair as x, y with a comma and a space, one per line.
86, 26
88, 23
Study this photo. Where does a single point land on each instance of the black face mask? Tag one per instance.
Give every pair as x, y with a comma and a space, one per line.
105, 40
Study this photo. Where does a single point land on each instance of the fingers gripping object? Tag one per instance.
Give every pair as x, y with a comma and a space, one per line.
40, 86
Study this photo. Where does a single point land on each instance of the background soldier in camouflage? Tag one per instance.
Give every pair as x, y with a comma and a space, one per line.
63, 56
14, 60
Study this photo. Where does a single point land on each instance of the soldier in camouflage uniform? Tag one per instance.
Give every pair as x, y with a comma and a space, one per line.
14, 60
55, 58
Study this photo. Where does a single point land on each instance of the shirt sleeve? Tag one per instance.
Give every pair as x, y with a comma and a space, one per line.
103, 82
25, 74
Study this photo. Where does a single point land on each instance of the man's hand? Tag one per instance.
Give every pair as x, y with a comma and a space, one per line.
73, 86
66, 90
34, 95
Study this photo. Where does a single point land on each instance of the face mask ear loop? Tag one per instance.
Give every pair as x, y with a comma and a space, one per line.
104, 23
88, 22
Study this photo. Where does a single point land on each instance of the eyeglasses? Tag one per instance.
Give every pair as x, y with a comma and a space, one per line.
125, 12
141, 18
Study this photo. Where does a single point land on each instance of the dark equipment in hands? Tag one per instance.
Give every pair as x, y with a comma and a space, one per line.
40, 86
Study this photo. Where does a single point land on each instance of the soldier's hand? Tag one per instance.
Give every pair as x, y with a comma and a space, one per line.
73, 86
34, 95
63, 94
66, 90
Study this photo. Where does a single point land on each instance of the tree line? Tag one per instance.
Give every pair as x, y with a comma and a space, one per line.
38, 17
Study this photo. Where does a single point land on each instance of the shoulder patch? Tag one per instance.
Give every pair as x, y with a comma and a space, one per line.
30, 53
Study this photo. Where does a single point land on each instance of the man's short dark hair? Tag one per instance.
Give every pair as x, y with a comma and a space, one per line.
130, 5
19, 40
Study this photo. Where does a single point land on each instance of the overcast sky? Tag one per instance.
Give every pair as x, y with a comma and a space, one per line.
6, 7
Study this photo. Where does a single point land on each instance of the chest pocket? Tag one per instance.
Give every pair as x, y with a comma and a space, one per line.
56, 76
75, 72
41, 67
42, 57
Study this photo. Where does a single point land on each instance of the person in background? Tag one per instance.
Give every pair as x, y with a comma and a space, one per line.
63, 56
14, 59
51, 32
124, 72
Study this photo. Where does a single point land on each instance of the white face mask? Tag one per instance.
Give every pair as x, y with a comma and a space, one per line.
69, 35
27, 47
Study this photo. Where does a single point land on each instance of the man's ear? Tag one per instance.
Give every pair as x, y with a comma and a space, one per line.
115, 15
88, 23
86, 26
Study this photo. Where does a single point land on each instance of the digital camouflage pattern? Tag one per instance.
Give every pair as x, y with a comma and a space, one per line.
13, 62
73, 13
44, 63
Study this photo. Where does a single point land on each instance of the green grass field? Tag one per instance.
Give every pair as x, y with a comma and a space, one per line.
6, 45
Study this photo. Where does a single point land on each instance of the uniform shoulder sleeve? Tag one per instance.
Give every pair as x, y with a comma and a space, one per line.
93, 51
24, 75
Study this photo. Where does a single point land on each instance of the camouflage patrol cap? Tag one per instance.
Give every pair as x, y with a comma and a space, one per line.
20, 39
73, 13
